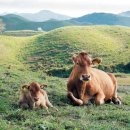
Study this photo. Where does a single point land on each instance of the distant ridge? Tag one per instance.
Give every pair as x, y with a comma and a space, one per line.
13, 16
103, 19
126, 14
44, 15
16, 22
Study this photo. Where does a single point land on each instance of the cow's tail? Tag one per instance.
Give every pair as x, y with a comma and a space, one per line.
115, 98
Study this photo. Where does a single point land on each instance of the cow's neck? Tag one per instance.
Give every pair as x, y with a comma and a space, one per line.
81, 88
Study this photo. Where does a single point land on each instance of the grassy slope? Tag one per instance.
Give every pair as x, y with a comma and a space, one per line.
68, 117
10, 46
55, 49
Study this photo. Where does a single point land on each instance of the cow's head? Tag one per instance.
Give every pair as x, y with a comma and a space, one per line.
83, 63
34, 89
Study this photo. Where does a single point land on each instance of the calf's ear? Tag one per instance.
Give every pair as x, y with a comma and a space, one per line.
74, 58
28, 87
43, 85
96, 61
23, 87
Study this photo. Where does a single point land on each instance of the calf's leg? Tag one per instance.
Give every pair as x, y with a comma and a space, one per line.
48, 104
43, 105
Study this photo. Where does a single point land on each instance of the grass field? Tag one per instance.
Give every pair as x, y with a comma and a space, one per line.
22, 33
55, 49
125, 80
21, 64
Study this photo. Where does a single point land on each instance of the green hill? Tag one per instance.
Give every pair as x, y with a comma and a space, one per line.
53, 51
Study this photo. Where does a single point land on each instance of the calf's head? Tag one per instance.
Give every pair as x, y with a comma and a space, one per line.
34, 89
83, 63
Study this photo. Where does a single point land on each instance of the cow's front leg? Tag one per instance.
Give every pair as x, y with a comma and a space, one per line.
99, 99
83, 95
75, 100
86, 99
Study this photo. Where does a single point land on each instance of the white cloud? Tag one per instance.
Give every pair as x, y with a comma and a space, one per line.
68, 7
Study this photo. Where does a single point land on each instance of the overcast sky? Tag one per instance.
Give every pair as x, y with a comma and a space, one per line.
68, 7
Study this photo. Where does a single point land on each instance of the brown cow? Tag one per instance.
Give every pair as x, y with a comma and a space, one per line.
86, 82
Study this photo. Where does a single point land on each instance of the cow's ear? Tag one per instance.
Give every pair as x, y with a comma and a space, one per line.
74, 59
96, 61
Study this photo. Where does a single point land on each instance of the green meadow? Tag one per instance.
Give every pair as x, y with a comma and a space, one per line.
47, 58
23, 33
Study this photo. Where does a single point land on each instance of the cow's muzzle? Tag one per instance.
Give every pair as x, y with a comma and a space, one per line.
85, 77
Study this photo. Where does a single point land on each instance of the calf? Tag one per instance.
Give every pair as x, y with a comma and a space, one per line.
40, 96
86, 83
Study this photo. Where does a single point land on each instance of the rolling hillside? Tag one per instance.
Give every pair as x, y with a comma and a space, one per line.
52, 52
27, 59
